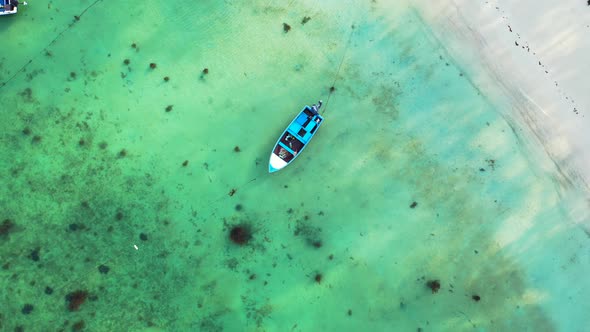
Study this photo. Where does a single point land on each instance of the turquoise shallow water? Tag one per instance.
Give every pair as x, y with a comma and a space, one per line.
415, 178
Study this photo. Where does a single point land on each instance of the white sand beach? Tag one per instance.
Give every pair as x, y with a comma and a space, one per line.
535, 59
536, 55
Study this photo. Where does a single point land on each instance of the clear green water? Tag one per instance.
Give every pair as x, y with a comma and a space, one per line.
404, 124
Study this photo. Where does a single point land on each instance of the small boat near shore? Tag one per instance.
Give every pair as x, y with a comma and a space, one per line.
295, 138
9, 7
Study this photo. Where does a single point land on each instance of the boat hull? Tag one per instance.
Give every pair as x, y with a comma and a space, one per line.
8, 12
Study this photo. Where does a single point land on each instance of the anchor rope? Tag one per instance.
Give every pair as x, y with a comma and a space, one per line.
23, 67
339, 67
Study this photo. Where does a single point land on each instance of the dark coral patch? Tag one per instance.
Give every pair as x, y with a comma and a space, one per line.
76, 299
316, 243
434, 285
240, 234
78, 326
103, 269
27, 309
318, 278
6, 226
35, 254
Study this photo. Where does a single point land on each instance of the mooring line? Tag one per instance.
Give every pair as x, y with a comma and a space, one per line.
23, 67
352, 27
227, 196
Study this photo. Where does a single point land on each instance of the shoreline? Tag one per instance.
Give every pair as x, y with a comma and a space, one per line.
529, 71
536, 81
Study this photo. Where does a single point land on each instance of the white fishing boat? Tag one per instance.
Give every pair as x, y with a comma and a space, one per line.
295, 138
